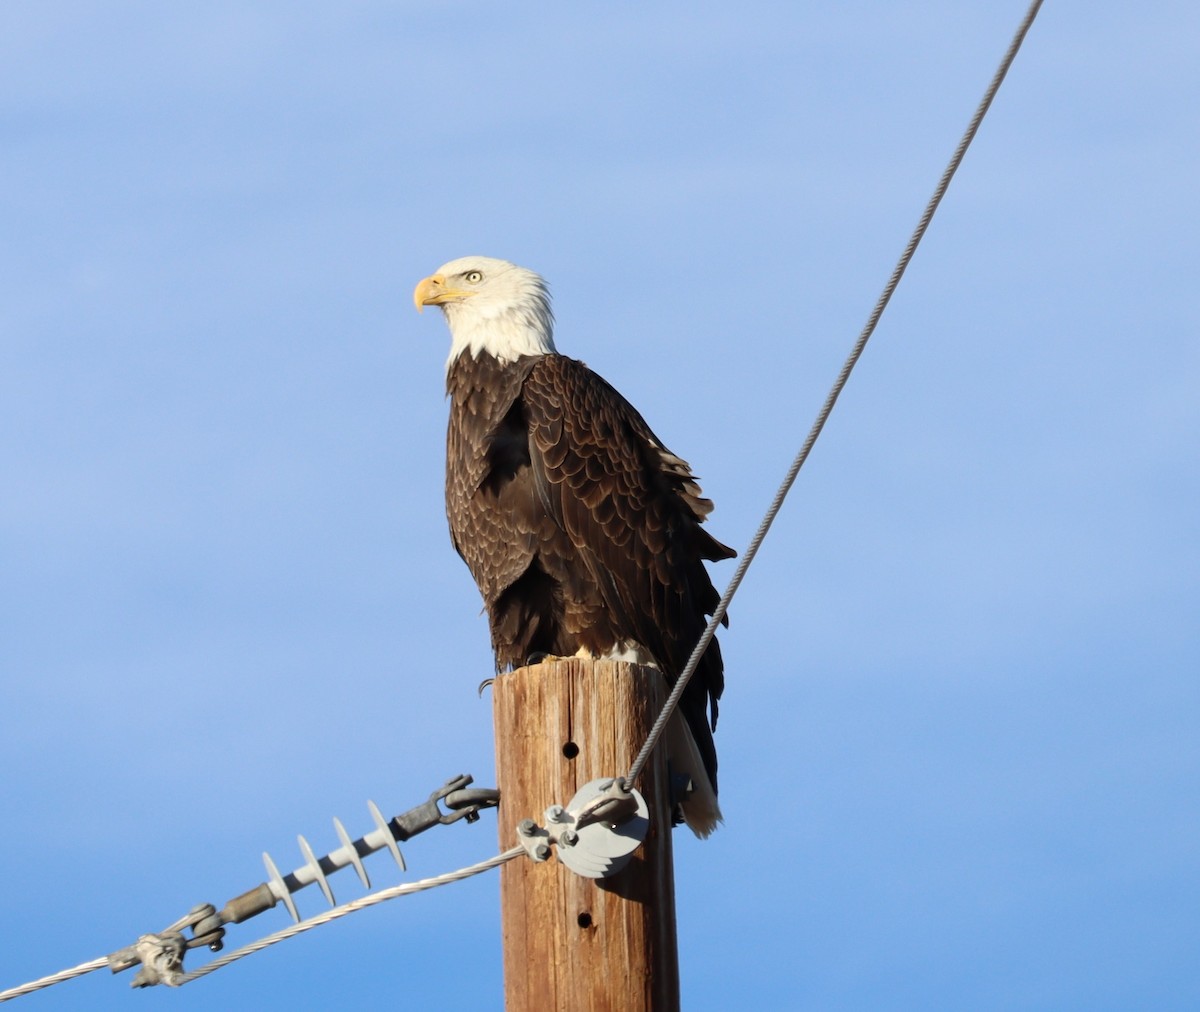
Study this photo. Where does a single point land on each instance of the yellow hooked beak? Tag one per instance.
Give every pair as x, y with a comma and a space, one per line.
432, 291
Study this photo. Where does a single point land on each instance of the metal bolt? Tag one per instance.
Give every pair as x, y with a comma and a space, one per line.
568, 838
556, 813
542, 851
526, 827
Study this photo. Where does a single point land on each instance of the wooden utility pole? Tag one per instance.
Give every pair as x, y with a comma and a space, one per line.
573, 943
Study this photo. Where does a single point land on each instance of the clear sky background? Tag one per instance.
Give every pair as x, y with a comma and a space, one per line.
960, 761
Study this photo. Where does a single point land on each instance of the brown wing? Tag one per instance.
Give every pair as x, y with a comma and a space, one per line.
494, 518
632, 511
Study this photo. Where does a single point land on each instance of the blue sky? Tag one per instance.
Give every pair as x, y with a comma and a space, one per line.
960, 765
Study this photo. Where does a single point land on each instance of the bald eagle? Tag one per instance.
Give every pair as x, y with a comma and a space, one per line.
581, 529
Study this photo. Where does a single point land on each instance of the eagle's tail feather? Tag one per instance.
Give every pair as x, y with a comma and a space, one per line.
699, 803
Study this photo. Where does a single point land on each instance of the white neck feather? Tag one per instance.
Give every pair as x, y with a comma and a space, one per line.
507, 333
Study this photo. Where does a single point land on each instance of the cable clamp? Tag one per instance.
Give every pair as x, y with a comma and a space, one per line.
596, 834
161, 955
613, 804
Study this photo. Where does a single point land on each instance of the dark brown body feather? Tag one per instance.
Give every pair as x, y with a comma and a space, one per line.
580, 529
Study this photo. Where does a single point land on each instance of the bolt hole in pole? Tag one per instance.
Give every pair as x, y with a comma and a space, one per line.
585, 920
570, 750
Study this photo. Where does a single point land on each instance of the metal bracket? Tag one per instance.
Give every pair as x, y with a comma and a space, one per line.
463, 804
596, 834
534, 839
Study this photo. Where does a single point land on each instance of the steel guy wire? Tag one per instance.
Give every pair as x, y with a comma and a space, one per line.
373, 899
353, 906
54, 978
822, 416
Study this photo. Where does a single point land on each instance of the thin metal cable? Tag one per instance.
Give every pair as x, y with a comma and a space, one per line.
54, 978
370, 900
888, 290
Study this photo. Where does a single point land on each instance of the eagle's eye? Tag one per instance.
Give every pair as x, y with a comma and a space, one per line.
474, 277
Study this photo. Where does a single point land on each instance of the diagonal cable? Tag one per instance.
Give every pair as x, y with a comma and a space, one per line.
370, 900
823, 415
54, 978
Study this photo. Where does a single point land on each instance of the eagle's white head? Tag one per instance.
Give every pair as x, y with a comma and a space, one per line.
491, 306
